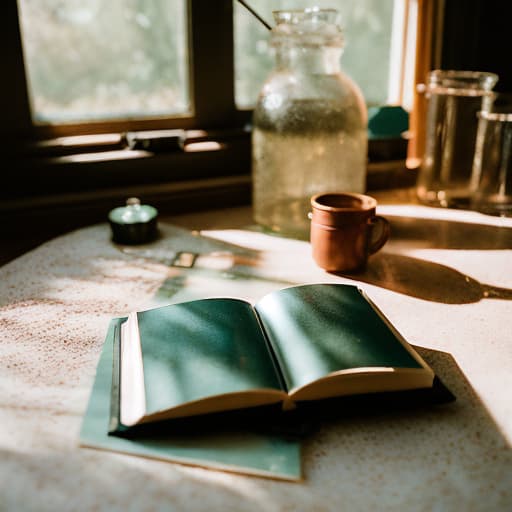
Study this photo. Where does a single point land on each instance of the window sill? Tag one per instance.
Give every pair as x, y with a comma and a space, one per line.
75, 181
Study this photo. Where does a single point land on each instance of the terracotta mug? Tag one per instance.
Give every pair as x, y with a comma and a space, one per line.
345, 230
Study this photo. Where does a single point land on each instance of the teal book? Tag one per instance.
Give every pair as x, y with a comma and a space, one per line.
293, 347
235, 450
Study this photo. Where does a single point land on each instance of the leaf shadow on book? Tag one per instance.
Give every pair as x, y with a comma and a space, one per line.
425, 280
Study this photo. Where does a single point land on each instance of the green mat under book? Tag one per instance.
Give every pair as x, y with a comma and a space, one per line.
272, 456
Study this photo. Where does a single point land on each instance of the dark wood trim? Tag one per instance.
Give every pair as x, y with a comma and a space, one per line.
162, 188
28, 227
33, 176
430, 17
83, 208
14, 101
213, 63
48, 131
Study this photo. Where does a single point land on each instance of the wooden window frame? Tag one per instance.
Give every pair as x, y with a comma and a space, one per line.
211, 78
429, 24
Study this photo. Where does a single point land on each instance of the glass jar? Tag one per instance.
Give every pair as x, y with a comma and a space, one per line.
454, 98
309, 124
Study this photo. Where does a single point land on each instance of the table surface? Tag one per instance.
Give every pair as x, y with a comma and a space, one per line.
444, 280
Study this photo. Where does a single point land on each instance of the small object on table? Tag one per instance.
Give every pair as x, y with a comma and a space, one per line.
134, 223
156, 141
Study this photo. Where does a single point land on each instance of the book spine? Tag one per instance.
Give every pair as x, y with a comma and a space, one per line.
114, 425
273, 355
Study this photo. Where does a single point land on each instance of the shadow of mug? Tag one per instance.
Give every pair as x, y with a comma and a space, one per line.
345, 230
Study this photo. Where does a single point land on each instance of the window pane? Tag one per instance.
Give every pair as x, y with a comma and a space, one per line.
367, 27
95, 60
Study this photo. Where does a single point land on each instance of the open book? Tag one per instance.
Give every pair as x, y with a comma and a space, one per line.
295, 345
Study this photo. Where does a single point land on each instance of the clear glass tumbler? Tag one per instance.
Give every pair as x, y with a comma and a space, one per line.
454, 99
309, 123
492, 166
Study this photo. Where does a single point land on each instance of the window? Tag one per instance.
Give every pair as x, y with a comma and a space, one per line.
129, 59
96, 67
89, 71
94, 60
368, 28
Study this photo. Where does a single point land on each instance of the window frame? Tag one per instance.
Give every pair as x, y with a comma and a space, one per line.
211, 77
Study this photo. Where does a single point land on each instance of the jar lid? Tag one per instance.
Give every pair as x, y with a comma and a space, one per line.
134, 223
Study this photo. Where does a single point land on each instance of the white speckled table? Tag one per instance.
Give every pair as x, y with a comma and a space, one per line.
445, 281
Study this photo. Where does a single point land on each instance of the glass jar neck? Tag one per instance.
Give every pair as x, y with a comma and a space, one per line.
312, 60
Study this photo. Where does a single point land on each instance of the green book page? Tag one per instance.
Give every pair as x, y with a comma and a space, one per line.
245, 452
319, 329
200, 349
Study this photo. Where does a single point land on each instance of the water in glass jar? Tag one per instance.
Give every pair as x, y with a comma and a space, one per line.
311, 149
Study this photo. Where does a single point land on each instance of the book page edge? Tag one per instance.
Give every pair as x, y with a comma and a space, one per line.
132, 389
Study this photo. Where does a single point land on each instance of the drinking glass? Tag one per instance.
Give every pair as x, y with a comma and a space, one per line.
454, 99
492, 166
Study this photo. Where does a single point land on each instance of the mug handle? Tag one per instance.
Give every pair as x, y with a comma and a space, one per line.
378, 226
